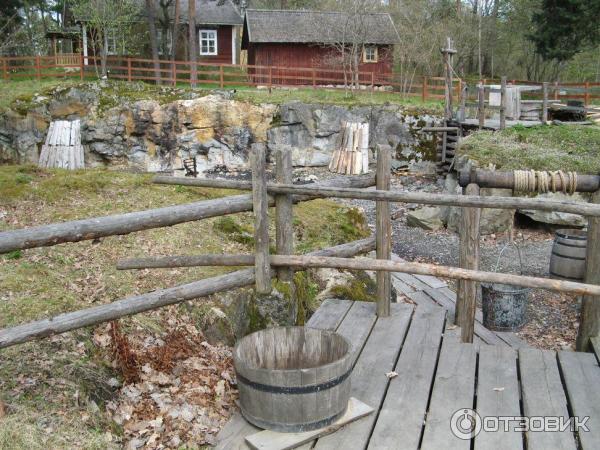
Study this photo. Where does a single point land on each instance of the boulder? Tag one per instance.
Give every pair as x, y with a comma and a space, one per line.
558, 218
427, 218
492, 220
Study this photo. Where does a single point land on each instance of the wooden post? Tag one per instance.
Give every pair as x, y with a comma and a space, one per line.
586, 98
314, 78
448, 53
424, 90
463, 102
284, 230
466, 300
556, 91
503, 103
128, 69
270, 78
545, 102
38, 70
4, 69
174, 72
81, 67
221, 76
383, 236
372, 81
481, 105
589, 325
260, 205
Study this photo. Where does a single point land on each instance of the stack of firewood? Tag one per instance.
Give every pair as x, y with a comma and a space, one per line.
593, 114
351, 157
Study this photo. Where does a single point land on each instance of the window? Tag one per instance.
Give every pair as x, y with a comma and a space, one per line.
370, 54
208, 42
111, 43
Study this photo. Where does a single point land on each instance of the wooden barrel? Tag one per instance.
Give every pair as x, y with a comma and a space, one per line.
567, 260
293, 379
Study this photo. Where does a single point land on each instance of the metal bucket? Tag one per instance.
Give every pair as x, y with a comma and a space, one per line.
504, 305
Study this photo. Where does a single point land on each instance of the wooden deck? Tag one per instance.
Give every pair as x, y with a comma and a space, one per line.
438, 375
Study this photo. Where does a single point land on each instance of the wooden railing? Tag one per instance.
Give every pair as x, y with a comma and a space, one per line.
230, 75
282, 195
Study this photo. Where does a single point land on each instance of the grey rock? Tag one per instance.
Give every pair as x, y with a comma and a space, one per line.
558, 218
428, 218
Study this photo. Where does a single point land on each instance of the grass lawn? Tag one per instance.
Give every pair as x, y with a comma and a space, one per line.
24, 90
54, 389
546, 147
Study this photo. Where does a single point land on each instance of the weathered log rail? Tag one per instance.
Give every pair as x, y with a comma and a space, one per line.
282, 194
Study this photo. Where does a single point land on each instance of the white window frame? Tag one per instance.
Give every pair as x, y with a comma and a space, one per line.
375, 58
111, 43
211, 35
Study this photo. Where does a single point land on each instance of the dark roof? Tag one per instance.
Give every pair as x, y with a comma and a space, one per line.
212, 12
299, 26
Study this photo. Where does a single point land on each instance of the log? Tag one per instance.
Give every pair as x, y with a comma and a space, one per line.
146, 302
505, 180
542, 204
97, 227
466, 300
435, 270
383, 225
169, 262
589, 324
260, 204
284, 229
439, 129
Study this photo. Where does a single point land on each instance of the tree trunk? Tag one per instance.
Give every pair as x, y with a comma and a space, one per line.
151, 16
193, 47
103, 54
175, 33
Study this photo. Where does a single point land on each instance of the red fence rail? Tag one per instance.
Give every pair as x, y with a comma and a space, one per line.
230, 75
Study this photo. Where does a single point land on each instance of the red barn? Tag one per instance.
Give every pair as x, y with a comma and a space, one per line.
307, 39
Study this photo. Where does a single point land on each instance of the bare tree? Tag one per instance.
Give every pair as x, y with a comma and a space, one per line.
193, 42
175, 33
151, 16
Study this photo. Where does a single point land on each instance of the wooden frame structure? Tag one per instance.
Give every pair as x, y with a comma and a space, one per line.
285, 195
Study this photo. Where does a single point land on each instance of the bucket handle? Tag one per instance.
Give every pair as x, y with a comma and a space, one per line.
508, 244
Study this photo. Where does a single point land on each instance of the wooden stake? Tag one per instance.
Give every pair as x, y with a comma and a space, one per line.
589, 324
481, 105
284, 229
466, 301
260, 205
383, 230
545, 102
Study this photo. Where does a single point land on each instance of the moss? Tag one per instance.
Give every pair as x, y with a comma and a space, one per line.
360, 288
555, 147
227, 225
256, 321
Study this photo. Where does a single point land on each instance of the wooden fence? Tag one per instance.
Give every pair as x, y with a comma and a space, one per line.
282, 194
230, 75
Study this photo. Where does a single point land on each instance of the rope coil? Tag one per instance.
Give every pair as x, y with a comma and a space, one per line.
544, 181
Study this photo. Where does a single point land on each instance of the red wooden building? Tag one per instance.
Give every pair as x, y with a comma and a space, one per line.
315, 39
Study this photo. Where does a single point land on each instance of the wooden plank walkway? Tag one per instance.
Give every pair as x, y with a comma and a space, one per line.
438, 375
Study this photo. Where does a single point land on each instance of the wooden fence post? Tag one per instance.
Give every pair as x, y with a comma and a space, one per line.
424, 90
174, 73
314, 78
556, 91
221, 76
260, 205
270, 78
545, 102
372, 81
383, 232
586, 95
464, 93
503, 103
4, 69
466, 300
81, 67
38, 69
589, 325
481, 105
284, 230
129, 69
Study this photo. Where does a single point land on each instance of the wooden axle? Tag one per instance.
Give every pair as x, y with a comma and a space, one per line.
153, 300
506, 180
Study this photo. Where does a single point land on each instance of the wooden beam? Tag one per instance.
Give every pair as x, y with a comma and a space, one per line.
97, 227
260, 204
481, 105
284, 229
383, 225
466, 301
503, 103
589, 324
545, 102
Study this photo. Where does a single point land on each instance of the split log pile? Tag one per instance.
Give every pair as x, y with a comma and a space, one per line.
63, 147
352, 155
